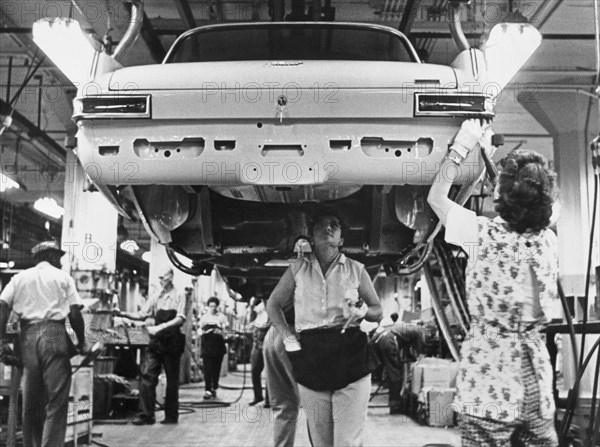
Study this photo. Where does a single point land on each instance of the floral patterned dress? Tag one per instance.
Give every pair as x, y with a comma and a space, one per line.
492, 370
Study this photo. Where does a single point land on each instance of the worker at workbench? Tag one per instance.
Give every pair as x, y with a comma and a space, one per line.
167, 343
43, 297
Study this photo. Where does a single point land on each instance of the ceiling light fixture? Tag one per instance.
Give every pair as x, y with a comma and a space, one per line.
130, 246
508, 47
64, 42
147, 256
7, 183
48, 206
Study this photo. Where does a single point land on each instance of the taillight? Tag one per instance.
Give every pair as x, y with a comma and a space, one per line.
111, 106
429, 104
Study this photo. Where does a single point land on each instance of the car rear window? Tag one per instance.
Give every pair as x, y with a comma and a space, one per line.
290, 42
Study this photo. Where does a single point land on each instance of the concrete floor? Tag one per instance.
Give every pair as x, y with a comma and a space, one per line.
242, 425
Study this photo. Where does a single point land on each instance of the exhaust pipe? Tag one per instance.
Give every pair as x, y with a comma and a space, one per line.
458, 35
133, 31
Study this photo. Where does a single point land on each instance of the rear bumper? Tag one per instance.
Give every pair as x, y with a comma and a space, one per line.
246, 152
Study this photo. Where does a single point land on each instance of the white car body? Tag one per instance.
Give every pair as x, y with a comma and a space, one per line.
217, 146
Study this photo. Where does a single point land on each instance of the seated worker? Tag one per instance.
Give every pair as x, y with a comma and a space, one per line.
166, 345
212, 345
396, 345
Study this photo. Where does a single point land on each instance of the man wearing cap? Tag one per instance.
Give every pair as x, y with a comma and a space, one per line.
43, 297
167, 343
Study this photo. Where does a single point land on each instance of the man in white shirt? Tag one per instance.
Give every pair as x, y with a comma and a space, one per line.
43, 297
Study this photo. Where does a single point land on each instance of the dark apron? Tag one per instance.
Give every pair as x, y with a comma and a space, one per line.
212, 343
169, 341
330, 360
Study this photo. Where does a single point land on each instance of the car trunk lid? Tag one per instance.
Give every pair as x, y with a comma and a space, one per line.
271, 75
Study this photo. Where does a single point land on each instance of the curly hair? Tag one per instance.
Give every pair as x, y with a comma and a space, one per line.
526, 190
213, 299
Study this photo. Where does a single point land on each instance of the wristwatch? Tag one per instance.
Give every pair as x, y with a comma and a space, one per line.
461, 150
455, 157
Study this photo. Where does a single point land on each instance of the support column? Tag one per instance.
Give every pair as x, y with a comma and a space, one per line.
89, 237
89, 233
564, 116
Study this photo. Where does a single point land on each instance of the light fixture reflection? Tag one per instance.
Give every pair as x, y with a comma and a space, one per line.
67, 46
130, 246
7, 183
48, 206
508, 47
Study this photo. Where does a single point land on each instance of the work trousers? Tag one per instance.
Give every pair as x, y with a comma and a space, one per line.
390, 355
337, 418
283, 390
257, 364
46, 383
212, 371
153, 363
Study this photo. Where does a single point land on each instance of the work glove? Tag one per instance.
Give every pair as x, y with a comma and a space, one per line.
291, 343
470, 133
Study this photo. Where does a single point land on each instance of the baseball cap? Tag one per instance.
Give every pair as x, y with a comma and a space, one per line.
46, 246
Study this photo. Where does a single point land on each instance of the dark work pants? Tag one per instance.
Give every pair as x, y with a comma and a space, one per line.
212, 371
257, 363
46, 383
390, 353
153, 362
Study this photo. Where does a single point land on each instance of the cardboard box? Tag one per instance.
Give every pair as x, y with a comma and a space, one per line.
436, 406
81, 396
433, 372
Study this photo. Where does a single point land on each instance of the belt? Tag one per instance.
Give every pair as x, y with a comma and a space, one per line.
25, 323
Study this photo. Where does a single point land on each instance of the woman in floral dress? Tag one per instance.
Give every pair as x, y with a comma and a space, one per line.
504, 387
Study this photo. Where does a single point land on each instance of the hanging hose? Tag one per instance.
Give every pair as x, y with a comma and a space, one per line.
455, 281
574, 392
194, 270
438, 310
565, 306
451, 290
573, 396
425, 252
595, 425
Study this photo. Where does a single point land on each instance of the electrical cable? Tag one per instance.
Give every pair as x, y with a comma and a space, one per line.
101, 444
376, 391
425, 249
211, 404
574, 392
565, 306
573, 400
595, 425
